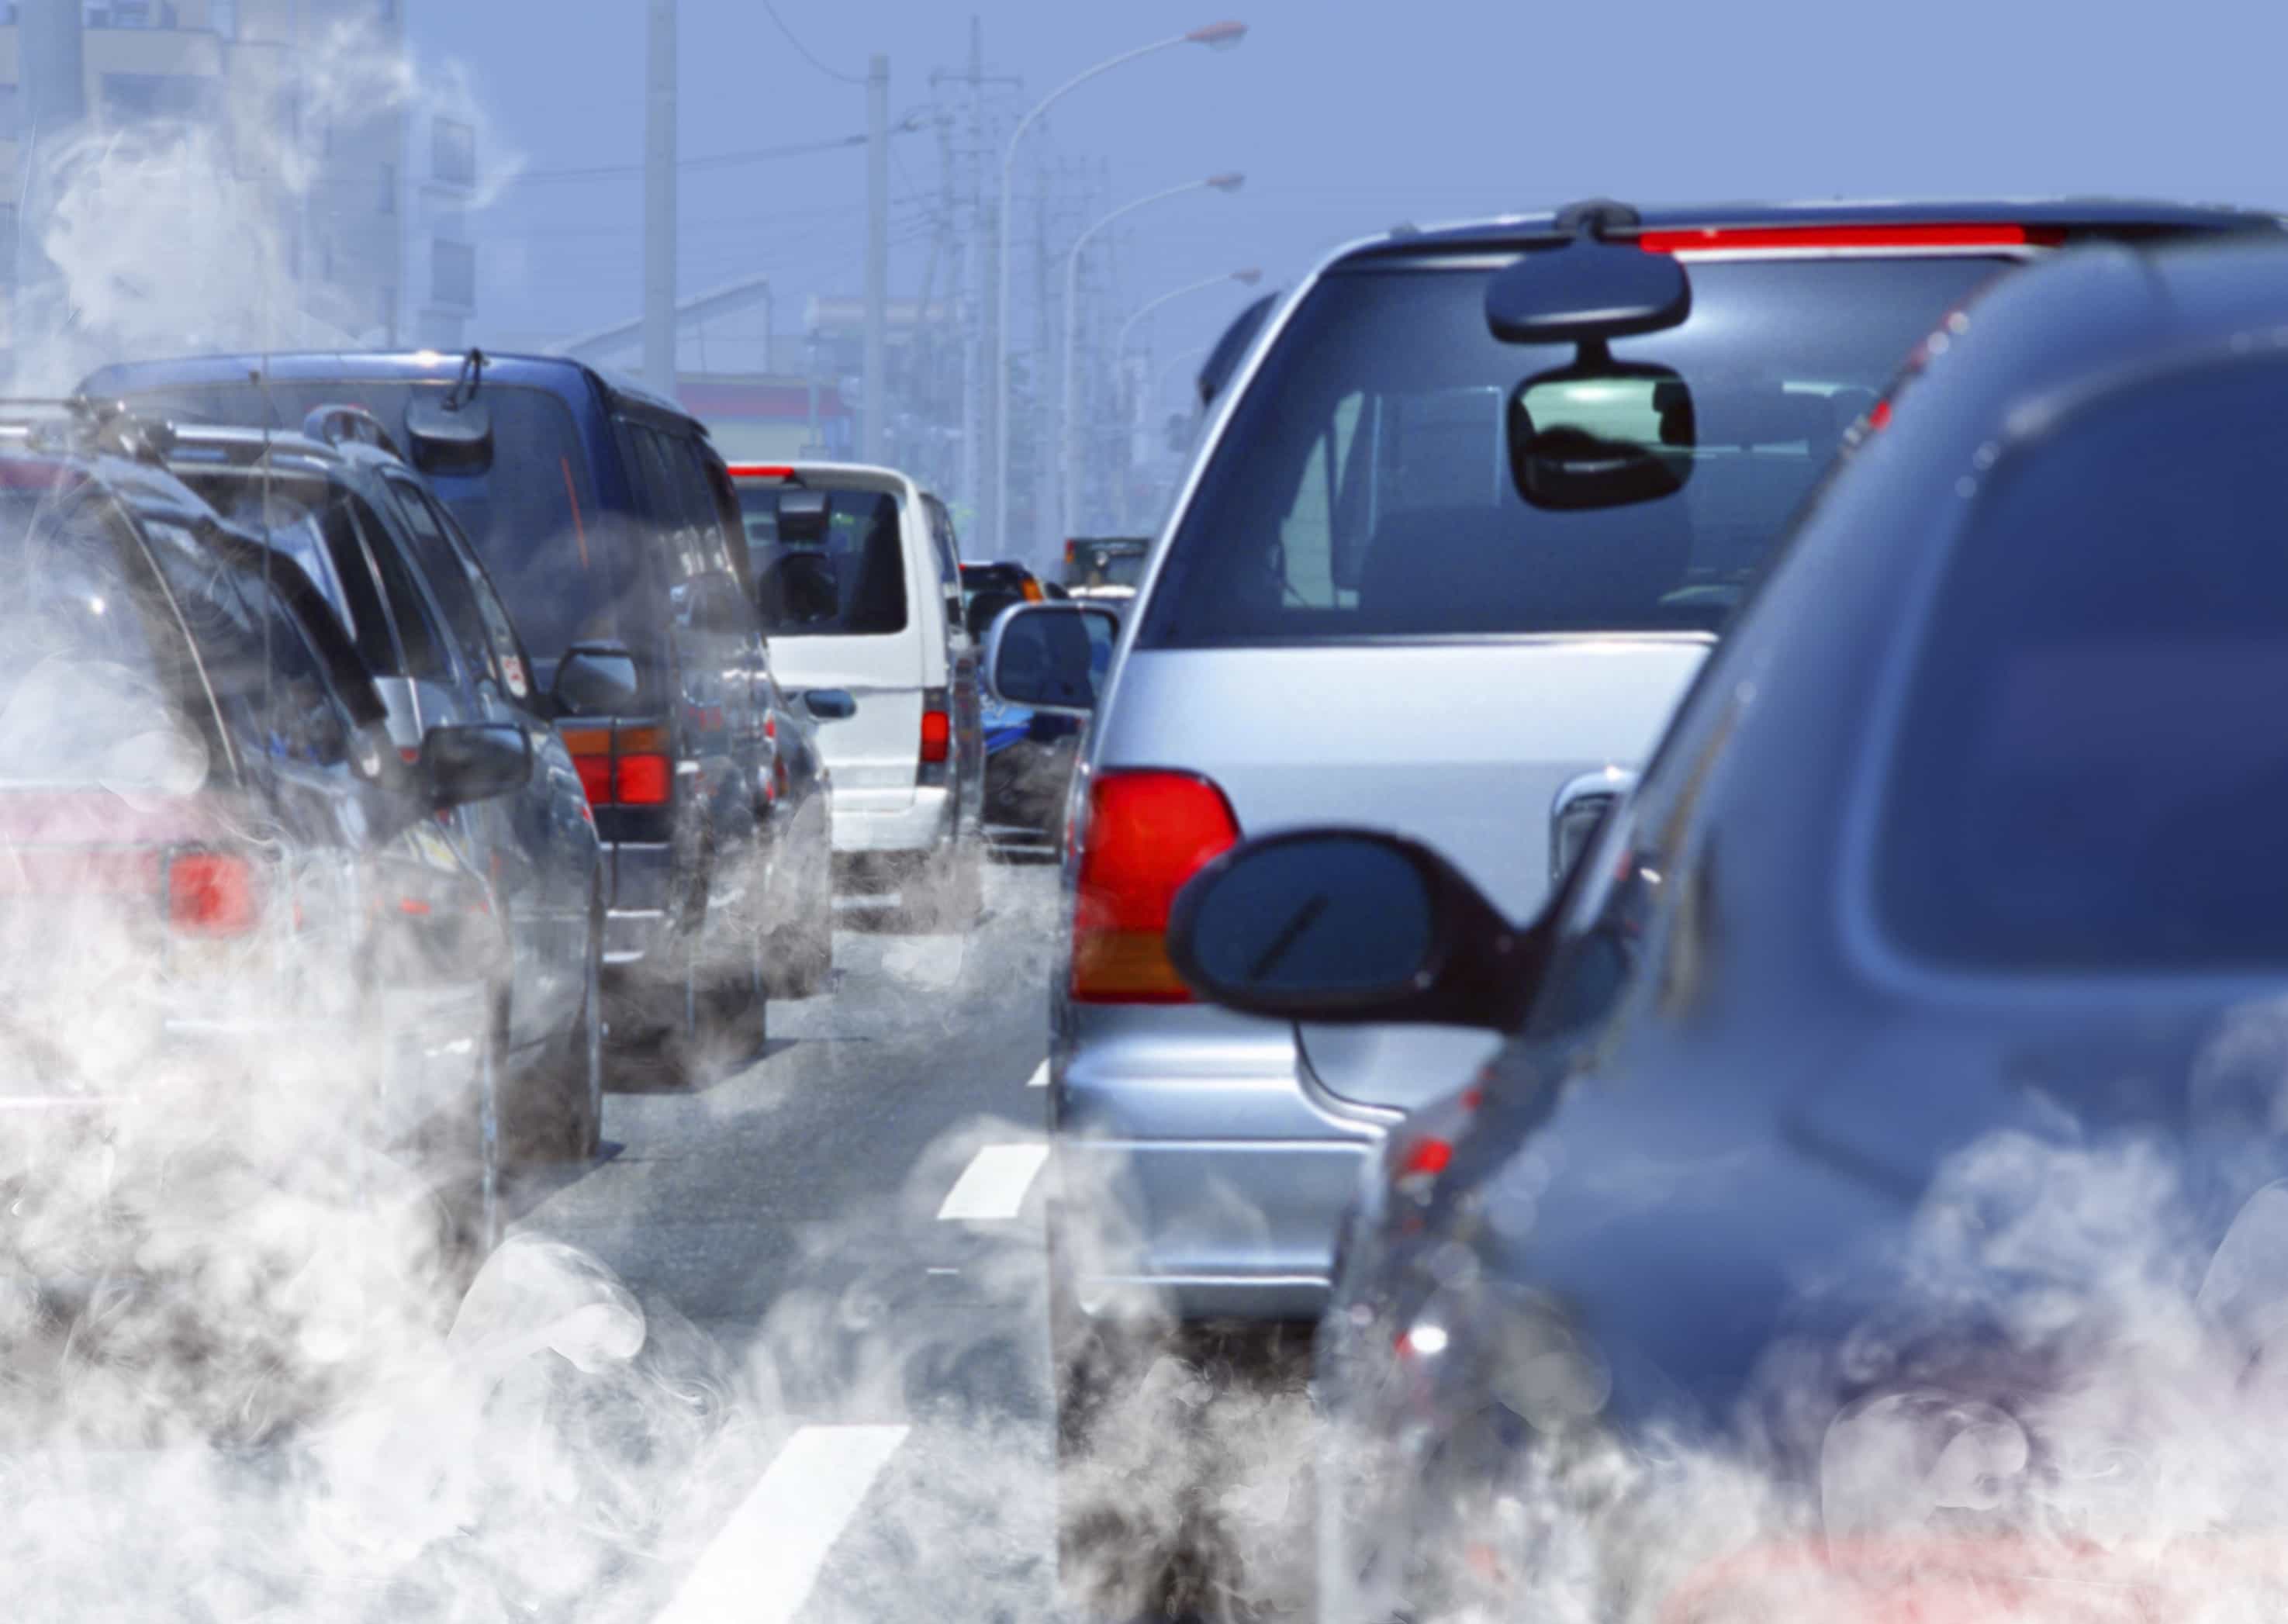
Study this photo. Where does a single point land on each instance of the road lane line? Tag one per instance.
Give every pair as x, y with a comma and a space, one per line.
993, 1185
1040, 1077
760, 1568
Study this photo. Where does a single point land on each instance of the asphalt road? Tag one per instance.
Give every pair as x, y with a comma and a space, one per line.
841, 1239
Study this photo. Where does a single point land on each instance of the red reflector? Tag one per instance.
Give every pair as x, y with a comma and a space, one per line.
641, 780
414, 906
210, 893
595, 777
1879, 418
1148, 832
1753, 239
937, 736
1430, 1156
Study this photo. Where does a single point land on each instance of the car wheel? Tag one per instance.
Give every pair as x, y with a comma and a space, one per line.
471, 1162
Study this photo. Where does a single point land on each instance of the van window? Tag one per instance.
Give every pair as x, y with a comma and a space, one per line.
479, 625
851, 582
532, 516
1361, 487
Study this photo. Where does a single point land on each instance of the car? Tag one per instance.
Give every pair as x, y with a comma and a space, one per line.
440, 647
1096, 562
211, 838
858, 577
1467, 520
607, 520
1884, 1121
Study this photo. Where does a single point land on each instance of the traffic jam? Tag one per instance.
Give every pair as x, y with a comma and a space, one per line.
1627, 969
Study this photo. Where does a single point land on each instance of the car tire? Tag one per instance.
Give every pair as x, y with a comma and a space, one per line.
471, 1163
558, 1115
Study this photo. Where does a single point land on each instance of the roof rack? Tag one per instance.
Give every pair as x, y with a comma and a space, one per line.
76, 425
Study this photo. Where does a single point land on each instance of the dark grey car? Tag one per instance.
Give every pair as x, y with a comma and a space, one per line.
1882, 1193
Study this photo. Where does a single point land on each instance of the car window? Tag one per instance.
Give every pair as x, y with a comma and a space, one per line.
851, 582
418, 634
93, 665
665, 502
480, 622
1362, 489
2093, 739
532, 515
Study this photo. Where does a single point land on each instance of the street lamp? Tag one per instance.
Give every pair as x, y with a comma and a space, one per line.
1215, 36
1245, 279
1213, 183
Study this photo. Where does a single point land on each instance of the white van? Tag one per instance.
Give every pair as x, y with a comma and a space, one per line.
858, 581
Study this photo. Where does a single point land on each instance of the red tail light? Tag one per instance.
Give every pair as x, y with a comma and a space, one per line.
626, 766
1831, 239
1148, 832
211, 893
937, 736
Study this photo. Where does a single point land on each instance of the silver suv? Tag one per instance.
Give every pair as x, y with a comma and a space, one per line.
1463, 526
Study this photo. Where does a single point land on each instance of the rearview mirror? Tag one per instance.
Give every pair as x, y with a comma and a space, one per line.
1600, 435
597, 679
449, 439
802, 515
1349, 926
1050, 657
475, 763
1587, 290
830, 704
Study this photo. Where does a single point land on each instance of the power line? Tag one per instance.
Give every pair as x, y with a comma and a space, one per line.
716, 161
803, 51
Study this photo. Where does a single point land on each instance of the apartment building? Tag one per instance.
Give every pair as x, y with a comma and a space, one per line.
370, 200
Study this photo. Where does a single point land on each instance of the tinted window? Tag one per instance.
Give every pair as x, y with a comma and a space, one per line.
532, 515
1362, 488
2092, 768
850, 582
479, 619
90, 661
422, 638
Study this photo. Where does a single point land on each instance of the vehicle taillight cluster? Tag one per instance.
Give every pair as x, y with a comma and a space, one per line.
936, 736
1148, 833
212, 894
623, 766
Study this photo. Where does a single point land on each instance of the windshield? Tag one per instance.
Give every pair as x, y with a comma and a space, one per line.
850, 582
1362, 488
2094, 730
531, 516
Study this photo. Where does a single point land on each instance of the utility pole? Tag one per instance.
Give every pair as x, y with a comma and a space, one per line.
1045, 544
659, 202
875, 403
52, 88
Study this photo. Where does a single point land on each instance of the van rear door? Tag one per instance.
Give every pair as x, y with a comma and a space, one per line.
828, 557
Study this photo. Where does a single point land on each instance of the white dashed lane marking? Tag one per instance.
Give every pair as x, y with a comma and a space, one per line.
1040, 1077
993, 1185
762, 1566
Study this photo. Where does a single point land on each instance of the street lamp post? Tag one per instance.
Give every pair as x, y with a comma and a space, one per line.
1247, 278
1217, 183
1216, 36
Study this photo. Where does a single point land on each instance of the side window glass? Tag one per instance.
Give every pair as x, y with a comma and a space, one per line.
449, 577
274, 690
664, 508
426, 660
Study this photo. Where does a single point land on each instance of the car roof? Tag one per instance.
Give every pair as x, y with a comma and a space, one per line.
2127, 218
559, 373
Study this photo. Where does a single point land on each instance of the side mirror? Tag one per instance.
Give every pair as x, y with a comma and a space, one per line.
597, 679
1585, 291
1050, 656
476, 762
830, 704
1350, 926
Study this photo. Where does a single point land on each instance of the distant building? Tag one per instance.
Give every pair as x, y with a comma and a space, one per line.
369, 206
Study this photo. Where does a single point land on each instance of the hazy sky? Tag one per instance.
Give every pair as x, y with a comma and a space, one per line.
1346, 116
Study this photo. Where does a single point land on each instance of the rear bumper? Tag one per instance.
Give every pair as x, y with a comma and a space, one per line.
923, 825
1197, 1169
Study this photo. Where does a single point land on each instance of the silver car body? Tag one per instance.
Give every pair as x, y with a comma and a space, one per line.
1203, 1159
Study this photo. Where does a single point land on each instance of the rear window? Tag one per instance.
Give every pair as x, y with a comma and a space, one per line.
531, 516
89, 658
1362, 488
849, 582
2092, 760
